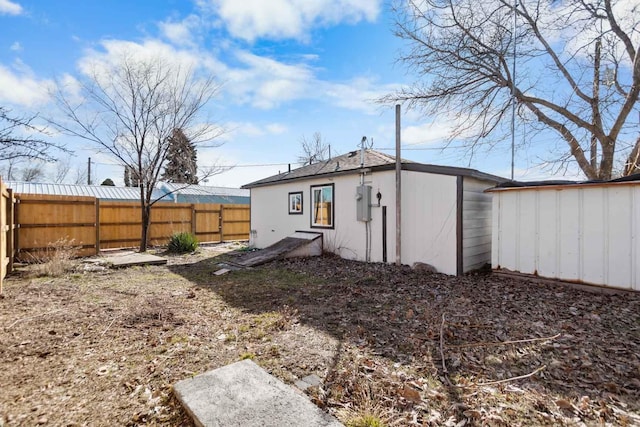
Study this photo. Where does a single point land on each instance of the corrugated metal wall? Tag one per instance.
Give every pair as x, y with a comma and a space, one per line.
585, 233
476, 224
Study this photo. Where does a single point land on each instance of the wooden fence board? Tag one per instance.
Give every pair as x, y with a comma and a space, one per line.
44, 220
98, 225
235, 221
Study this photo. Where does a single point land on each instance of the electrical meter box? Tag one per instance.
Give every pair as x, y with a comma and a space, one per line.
363, 203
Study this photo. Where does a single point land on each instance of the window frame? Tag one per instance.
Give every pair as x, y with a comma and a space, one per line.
313, 206
291, 196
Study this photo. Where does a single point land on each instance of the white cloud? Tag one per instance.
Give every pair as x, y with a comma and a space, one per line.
16, 47
253, 130
276, 128
262, 82
8, 7
182, 32
426, 134
285, 19
20, 87
101, 63
358, 94
266, 83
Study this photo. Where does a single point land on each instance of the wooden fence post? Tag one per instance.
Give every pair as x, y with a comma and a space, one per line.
221, 222
194, 226
16, 226
97, 226
11, 224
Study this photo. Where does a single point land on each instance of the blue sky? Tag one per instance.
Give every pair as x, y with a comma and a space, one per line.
289, 68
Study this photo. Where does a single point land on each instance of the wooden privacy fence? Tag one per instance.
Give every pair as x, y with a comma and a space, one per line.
95, 224
7, 226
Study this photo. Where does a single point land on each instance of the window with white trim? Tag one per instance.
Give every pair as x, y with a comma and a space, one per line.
322, 207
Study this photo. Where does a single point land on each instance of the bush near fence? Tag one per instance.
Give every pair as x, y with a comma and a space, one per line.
97, 224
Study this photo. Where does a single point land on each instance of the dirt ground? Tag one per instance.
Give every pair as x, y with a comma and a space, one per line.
404, 347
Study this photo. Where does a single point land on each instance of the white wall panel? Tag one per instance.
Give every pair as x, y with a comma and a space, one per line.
429, 220
569, 232
583, 233
594, 235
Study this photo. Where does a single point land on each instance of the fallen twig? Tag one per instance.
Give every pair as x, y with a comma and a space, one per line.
444, 365
112, 320
31, 317
482, 344
530, 374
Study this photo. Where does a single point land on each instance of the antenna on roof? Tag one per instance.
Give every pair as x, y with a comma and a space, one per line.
362, 148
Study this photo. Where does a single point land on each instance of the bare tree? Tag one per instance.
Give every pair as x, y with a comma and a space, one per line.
17, 140
61, 170
314, 149
131, 109
577, 73
32, 173
80, 176
10, 169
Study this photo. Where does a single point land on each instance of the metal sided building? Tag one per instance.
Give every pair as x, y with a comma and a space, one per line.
576, 232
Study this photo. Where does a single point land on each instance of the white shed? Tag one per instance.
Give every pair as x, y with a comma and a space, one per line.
446, 215
584, 233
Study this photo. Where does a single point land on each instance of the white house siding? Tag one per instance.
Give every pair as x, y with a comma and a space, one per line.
271, 222
428, 211
476, 223
428, 220
583, 233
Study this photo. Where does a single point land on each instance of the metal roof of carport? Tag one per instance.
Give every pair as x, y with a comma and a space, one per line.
97, 191
190, 194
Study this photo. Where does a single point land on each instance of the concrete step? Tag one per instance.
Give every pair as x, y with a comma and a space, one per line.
245, 395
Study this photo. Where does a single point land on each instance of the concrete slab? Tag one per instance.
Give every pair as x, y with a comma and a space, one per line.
244, 395
135, 258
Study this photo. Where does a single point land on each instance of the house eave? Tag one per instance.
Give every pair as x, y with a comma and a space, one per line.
308, 177
406, 166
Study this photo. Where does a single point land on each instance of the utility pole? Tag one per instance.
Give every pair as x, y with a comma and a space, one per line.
398, 190
513, 90
89, 172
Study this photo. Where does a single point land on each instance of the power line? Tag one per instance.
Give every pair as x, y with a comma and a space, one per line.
421, 148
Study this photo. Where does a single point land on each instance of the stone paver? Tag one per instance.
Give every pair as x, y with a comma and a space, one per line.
244, 395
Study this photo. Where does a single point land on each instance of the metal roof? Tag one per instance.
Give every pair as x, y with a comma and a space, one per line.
199, 190
190, 194
558, 184
374, 160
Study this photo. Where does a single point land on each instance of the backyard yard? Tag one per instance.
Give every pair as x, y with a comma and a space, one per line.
391, 344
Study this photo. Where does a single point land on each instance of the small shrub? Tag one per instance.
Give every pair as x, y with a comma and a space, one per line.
181, 243
365, 411
57, 259
366, 420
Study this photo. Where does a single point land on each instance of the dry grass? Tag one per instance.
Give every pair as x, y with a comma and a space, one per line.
104, 348
57, 259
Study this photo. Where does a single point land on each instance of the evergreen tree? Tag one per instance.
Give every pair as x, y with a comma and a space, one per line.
131, 178
182, 165
109, 182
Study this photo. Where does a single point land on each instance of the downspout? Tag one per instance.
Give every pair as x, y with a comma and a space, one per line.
398, 190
